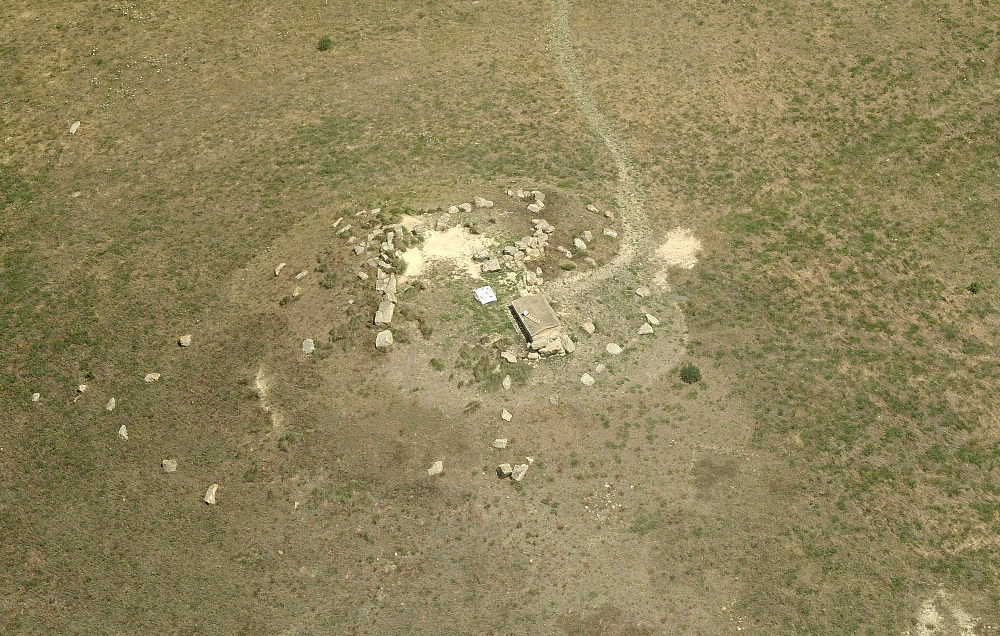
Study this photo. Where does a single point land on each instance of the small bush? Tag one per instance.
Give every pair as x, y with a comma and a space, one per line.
690, 373
973, 288
438, 364
568, 267
324, 43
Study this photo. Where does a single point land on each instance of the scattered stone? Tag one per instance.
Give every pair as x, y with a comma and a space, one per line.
500, 443
530, 278
442, 222
642, 292
509, 357
343, 229
359, 249
420, 231
608, 215
613, 348
281, 266
593, 208
608, 232
590, 261
383, 317
600, 368
506, 383
383, 340
301, 274
75, 126
589, 327
554, 347
554, 400
150, 377
481, 255
532, 355
465, 207
519, 471
390, 284
436, 468
110, 406
184, 341
492, 265
453, 210
587, 379
81, 388
296, 292
169, 465
567, 343
308, 346
37, 396
123, 433
588, 236
653, 320
538, 196
534, 208
504, 471
363, 275
210, 494
646, 329
506, 416
480, 202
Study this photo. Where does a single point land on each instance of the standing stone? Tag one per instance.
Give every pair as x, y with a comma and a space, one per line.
37, 396
123, 433
587, 380
210, 494
504, 471
383, 340
184, 341
567, 343
383, 317
110, 406
506, 383
436, 468
613, 348
642, 292
646, 329
308, 346
506, 416
169, 465
281, 266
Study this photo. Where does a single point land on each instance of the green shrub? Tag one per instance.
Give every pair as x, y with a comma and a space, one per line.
973, 288
690, 373
438, 364
324, 43
568, 267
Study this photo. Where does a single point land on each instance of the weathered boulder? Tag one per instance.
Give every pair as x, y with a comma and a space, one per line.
589, 327
642, 292
280, 266
613, 348
169, 465
587, 380
184, 341
491, 265
436, 468
567, 343
653, 320
646, 329
383, 340
480, 202
383, 317
210, 494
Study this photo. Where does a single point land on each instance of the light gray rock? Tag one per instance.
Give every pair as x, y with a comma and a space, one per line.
593, 208
613, 348
653, 320
534, 208
363, 275
587, 380
83, 387
436, 468
589, 327
533, 355
75, 126
184, 341
210, 494
506, 383
588, 236
383, 317
383, 340
390, 284
530, 278
123, 433
509, 357
567, 343
553, 348
443, 221
538, 196
359, 249
465, 207
110, 406
608, 232
150, 377
600, 368
642, 292
308, 346
554, 400
481, 255
37, 396
169, 465
589, 261
579, 244
480, 202
500, 443
453, 210
492, 265
609, 215
504, 471
420, 231
279, 267
646, 329
519, 472
506, 416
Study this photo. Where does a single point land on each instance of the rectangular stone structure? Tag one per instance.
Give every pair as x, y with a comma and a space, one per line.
535, 317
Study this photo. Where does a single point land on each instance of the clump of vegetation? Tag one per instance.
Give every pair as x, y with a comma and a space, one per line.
438, 364
973, 288
324, 43
472, 407
568, 267
690, 373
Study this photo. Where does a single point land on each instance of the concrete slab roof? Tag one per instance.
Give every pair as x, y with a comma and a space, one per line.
534, 316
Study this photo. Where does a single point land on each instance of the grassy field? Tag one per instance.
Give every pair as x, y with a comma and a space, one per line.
836, 467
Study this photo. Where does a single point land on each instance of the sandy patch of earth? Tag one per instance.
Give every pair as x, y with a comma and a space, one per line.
680, 249
455, 245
